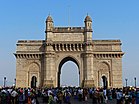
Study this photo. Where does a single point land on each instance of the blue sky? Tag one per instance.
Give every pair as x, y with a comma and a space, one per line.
112, 19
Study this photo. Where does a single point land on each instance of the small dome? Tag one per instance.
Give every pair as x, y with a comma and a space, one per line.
88, 18
49, 19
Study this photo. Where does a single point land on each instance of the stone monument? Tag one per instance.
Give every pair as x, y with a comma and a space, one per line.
39, 62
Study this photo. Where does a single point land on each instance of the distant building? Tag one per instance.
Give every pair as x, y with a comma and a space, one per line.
39, 62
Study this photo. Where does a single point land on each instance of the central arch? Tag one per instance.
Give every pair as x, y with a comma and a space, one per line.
61, 64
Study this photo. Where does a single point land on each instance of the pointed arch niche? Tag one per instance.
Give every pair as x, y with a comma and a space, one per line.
104, 70
34, 71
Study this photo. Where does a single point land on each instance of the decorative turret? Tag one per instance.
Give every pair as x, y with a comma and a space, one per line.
88, 23
88, 29
49, 24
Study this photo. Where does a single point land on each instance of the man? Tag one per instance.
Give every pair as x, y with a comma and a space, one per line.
14, 96
119, 96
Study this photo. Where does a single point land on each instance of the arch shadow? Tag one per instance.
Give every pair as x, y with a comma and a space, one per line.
105, 82
33, 81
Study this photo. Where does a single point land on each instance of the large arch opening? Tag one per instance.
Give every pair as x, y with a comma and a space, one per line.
68, 74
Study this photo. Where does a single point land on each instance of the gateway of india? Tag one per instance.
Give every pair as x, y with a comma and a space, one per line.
39, 62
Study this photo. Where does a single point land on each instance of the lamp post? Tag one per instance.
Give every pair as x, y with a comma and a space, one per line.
15, 82
135, 81
4, 81
126, 81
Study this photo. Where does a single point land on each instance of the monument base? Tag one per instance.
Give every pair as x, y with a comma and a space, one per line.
48, 83
88, 83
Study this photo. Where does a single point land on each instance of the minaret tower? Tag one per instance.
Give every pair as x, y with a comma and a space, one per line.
49, 58
88, 29
88, 53
49, 28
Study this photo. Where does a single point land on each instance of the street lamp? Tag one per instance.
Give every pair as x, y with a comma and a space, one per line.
126, 82
135, 81
15, 82
4, 81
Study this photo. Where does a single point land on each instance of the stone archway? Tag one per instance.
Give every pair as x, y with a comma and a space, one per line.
61, 64
104, 75
33, 75
94, 58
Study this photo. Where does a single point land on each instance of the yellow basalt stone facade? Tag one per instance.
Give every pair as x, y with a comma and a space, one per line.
39, 62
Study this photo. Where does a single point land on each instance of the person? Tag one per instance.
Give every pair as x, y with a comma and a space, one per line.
105, 95
50, 100
126, 97
21, 97
137, 96
119, 96
34, 99
55, 99
80, 93
85, 93
4, 97
68, 95
95, 97
45, 96
133, 94
60, 97
75, 94
14, 95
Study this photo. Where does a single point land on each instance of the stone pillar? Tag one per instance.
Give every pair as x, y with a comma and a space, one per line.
50, 70
21, 73
117, 73
88, 70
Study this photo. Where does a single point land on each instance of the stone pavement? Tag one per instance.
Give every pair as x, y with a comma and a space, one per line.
73, 101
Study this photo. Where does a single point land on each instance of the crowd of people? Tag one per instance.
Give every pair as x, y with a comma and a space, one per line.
12, 95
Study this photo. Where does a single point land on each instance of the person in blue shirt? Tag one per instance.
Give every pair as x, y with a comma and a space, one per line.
137, 96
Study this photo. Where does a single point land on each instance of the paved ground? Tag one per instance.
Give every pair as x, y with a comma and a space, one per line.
73, 101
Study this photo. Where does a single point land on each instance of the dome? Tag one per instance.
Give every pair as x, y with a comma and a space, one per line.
49, 19
88, 18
